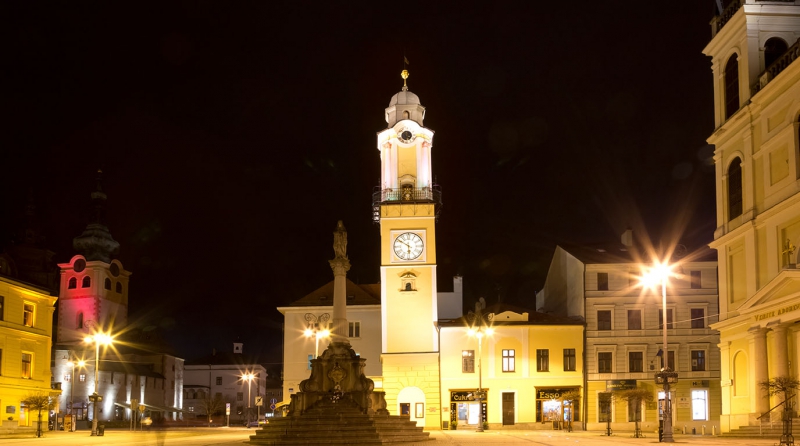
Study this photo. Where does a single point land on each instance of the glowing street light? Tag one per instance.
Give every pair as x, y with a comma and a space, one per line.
249, 378
315, 329
97, 339
81, 363
480, 328
660, 274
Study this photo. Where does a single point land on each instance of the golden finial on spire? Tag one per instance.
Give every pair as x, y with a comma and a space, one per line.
404, 75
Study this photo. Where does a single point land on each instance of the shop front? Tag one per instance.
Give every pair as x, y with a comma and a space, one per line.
465, 409
550, 406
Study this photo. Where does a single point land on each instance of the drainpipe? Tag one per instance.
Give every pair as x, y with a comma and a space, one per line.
439, 356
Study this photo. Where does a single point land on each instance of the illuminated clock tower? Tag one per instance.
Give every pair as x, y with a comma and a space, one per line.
406, 205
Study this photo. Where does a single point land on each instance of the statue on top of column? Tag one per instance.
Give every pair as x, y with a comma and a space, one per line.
340, 241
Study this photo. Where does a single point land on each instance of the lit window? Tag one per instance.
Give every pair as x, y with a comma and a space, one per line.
508, 360
66, 377
27, 315
82, 377
27, 365
699, 405
468, 361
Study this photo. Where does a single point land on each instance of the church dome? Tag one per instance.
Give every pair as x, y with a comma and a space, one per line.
404, 98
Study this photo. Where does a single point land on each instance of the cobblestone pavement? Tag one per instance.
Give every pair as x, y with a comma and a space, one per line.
560, 438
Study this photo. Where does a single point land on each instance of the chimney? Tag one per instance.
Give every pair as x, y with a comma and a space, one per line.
627, 237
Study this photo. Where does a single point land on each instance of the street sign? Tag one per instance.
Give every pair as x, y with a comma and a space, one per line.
274, 401
259, 401
227, 408
141, 408
272, 406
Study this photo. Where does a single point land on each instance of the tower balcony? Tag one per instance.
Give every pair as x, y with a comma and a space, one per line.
791, 54
406, 196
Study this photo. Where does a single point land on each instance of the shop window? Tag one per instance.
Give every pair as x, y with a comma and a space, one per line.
731, 86
635, 362
698, 361
542, 360
634, 410
72, 284
604, 407
696, 283
602, 281
569, 359
699, 405
508, 361
467, 361
604, 319
698, 318
86, 282
604, 362
661, 319
735, 189
634, 319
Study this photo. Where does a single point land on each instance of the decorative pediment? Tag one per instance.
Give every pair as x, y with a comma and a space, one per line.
778, 298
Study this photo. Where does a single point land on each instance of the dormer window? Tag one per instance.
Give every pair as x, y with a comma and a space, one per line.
87, 282
73, 283
108, 283
119, 287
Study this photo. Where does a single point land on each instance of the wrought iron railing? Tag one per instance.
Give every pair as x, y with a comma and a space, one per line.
792, 54
406, 195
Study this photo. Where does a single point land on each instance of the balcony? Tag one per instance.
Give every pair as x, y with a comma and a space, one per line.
776, 67
720, 20
405, 196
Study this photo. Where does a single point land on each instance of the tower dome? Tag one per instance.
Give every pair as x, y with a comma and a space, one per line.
404, 105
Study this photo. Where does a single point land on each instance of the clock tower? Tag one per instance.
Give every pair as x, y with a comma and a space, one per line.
406, 205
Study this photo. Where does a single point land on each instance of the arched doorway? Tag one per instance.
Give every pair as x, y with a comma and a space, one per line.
411, 402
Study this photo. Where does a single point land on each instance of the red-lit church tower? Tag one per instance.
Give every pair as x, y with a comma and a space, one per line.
94, 288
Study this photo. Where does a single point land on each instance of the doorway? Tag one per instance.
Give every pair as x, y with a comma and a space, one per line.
508, 409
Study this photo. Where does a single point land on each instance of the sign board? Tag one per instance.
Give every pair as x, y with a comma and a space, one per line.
274, 401
620, 384
684, 402
272, 406
227, 408
703, 383
141, 408
259, 401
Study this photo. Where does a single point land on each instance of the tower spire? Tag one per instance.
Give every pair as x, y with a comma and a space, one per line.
96, 243
405, 75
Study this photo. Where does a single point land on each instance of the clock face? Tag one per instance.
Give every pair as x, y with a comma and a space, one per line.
408, 246
406, 136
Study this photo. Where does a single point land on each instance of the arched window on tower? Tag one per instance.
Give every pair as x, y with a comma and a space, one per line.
119, 287
773, 50
731, 86
80, 320
87, 282
73, 283
406, 115
735, 189
108, 283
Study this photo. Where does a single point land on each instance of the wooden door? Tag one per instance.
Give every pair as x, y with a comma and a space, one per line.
508, 408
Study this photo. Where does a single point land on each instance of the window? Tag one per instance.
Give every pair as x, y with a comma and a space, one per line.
670, 325
191, 408
542, 360
219, 380
467, 361
1, 362
569, 359
696, 283
635, 362
634, 410
67, 377
602, 281
87, 282
310, 357
27, 315
698, 318
239, 396
604, 319
698, 361
80, 320
731, 86
107, 283
119, 287
670, 359
699, 405
508, 360
72, 284
604, 362
773, 49
634, 319
82, 378
27, 365
604, 407
2, 301
354, 330
735, 189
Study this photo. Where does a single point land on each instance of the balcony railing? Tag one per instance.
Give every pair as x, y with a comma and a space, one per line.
719, 21
406, 195
792, 54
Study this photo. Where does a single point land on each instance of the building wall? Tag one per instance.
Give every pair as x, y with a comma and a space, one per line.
17, 339
230, 386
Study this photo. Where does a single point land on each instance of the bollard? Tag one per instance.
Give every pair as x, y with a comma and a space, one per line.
684, 429
714, 430
703, 430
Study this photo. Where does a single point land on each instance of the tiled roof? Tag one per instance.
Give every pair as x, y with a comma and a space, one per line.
369, 294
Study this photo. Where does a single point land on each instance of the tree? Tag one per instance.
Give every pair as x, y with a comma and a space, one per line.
571, 399
38, 402
783, 386
635, 398
211, 405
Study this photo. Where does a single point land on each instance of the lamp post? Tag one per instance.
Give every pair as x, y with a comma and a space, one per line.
314, 329
97, 339
72, 364
249, 378
480, 328
660, 274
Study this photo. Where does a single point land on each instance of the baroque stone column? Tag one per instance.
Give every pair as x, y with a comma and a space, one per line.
340, 265
758, 347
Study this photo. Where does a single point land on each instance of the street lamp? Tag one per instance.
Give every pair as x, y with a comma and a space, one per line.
72, 364
314, 329
97, 339
249, 378
480, 327
660, 274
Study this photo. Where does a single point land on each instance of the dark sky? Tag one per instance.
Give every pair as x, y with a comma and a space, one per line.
233, 136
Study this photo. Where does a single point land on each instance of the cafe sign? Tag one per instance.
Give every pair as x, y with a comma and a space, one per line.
620, 384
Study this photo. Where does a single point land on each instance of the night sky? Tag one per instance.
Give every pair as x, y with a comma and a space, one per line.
234, 135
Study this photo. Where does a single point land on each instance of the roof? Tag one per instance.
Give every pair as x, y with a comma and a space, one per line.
369, 294
227, 358
534, 318
607, 253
